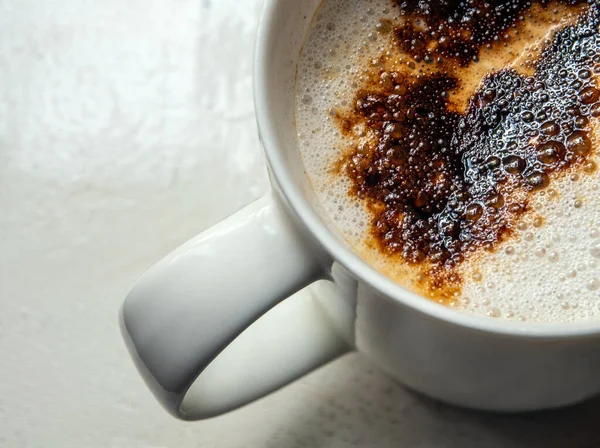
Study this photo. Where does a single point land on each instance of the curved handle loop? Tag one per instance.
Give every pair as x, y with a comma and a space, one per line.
188, 308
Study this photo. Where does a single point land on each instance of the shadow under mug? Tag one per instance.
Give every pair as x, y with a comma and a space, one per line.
199, 327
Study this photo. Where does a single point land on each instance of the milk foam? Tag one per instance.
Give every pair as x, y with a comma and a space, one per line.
549, 271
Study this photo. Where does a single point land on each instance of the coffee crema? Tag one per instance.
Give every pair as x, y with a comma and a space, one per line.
459, 122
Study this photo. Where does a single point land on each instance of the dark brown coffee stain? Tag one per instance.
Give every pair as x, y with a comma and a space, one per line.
458, 29
442, 184
519, 49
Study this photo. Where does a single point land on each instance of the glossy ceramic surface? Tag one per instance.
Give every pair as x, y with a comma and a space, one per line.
188, 308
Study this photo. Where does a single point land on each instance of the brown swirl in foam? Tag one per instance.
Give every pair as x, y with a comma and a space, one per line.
444, 184
459, 29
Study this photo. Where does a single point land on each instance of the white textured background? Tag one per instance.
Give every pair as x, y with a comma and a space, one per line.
126, 127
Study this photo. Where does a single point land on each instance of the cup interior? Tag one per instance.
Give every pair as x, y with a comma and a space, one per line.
284, 26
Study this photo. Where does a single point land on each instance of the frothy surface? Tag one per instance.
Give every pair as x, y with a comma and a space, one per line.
546, 270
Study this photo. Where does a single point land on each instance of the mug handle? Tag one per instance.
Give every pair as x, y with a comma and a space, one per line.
182, 314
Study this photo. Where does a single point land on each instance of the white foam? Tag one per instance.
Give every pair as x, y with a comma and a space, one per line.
343, 36
546, 273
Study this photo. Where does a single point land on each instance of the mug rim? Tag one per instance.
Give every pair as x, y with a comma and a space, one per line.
385, 287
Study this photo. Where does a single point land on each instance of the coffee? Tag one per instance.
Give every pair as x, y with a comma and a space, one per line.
454, 144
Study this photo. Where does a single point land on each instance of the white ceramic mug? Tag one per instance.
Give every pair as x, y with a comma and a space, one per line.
188, 320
